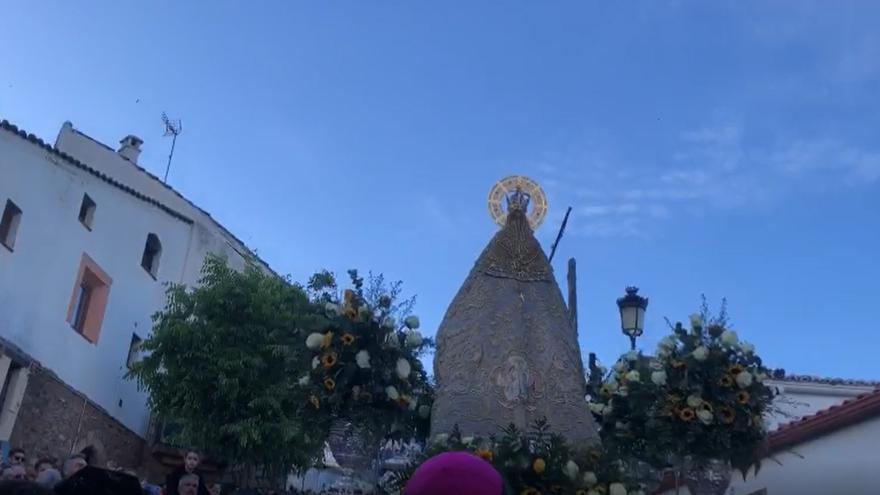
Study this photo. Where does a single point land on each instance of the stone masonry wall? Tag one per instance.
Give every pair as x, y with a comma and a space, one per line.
55, 420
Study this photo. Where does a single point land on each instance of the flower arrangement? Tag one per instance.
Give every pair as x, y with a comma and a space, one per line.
702, 397
538, 462
365, 365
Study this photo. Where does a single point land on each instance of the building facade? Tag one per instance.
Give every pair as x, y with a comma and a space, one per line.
88, 240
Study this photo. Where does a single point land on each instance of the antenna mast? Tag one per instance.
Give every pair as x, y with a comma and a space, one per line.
173, 128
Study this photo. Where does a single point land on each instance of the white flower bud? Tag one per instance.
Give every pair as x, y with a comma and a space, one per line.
412, 322
658, 378
403, 369
363, 359
701, 353
314, 341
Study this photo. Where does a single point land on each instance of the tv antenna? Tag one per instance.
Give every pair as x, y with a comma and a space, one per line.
173, 128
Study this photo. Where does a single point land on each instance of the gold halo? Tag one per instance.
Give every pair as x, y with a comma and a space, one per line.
537, 203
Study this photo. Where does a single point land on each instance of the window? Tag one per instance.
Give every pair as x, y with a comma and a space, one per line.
9, 224
89, 299
87, 211
134, 351
152, 253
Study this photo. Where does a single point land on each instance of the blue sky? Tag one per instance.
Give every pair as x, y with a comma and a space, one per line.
729, 149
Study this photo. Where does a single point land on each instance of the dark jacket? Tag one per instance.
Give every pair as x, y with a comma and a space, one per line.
173, 479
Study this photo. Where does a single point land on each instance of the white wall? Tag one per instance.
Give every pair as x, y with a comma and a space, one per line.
845, 462
208, 236
37, 279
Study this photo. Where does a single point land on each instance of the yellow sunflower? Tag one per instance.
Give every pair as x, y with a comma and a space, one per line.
726, 381
726, 414
329, 360
742, 397
328, 339
485, 454
735, 369
347, 339
329, 384
539, 465
350, 312
315, 402
686, 414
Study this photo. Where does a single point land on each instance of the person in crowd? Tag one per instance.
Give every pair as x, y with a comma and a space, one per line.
73, 464
16, 457
44, 463
15, 472
48, 477
216, 489
461, 473
22, 488
188, 484
191, 462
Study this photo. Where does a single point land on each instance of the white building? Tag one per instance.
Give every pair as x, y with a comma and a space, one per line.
87, 241
826, 443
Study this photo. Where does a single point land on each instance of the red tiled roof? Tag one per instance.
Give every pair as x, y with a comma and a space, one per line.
848, 413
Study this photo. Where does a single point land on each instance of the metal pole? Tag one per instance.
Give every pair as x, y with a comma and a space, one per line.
559, 235
168, 167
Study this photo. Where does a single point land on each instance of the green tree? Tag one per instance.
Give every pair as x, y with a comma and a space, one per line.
223, 363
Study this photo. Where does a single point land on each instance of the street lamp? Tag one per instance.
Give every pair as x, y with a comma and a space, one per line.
632, 314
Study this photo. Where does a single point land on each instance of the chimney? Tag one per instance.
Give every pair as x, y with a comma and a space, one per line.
130, 147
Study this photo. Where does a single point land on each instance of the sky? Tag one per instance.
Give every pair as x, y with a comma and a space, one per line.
725, 149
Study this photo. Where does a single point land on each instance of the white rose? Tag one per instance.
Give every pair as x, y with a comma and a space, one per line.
332, 309
363, 359
389, 323
590, 478
304, 380
610, 386
596, 408
696, 320
694, 401
572, 470
632, 356
616, 489
413, 338
424, 412
412, 322
403, 368
760, 377
633, 376
467, 440
705, 416
620, 367
701, 353
659, 378
744, 379
623, 391
747, 347
314, 341
315, 362
667, 342
730, 338
392, 393
441, 438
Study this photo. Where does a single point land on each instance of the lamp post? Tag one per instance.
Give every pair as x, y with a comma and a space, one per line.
632, 314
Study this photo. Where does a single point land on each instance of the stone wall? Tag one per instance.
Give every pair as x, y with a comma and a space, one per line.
55, 420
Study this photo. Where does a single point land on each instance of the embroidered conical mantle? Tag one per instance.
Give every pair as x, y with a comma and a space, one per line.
506, 351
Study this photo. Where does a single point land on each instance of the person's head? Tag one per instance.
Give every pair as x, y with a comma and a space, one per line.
216, 489
73, 464
48, 478
16, 456
15, 472
188, 485
191, 460
43, 464
455, 472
